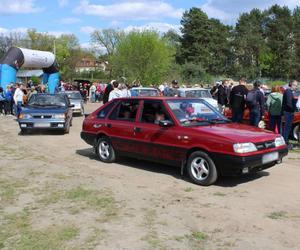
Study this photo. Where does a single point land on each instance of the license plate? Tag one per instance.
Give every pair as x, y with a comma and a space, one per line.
270, 157
41, 125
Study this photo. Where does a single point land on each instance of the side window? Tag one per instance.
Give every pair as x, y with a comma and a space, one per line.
153, 112
103, 112
125, 111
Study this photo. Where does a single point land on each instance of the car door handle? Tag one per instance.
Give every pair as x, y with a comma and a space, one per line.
137, 130
108, 125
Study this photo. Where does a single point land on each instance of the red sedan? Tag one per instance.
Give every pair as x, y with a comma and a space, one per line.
183, 132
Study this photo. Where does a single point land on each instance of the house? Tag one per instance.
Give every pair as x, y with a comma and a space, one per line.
87, 64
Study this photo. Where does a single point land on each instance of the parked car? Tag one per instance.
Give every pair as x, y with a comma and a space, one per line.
76, 100
198, 93
246, 120
142, 91
182, 132
46, 111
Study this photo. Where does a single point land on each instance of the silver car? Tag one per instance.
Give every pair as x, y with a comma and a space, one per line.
76, 100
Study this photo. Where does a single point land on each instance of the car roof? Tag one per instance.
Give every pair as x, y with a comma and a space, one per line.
143, 88
187, 89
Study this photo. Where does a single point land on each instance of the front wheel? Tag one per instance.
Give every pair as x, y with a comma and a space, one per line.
201, 169
105, 150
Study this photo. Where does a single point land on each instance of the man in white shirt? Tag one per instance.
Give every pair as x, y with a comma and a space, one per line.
18, 99
116, 93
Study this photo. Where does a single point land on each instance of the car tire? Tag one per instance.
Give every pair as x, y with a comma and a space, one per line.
105, 150
295, 132
201, 169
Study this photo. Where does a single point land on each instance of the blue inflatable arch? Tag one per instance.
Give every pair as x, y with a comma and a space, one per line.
15, 58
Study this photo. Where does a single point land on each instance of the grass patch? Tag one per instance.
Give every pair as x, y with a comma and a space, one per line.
188, 189
198, 236
219, 194
9, 190
278, 215
16, 233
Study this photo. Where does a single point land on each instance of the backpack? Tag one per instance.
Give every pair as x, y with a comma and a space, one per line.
251, 99
275, 106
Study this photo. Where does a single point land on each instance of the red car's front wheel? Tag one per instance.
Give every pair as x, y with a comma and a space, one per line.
105, 150
201, 169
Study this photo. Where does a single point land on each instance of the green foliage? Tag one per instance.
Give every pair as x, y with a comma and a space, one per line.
142, 55
36, 80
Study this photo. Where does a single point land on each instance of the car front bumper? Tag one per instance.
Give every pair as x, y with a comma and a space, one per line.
37, 124
231, 165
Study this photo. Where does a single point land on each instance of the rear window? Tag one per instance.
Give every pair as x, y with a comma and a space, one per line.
103, 112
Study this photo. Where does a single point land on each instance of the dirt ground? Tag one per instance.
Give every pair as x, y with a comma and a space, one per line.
55, 194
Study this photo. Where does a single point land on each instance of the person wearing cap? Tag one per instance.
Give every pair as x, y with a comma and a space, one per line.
174, 90
257, 104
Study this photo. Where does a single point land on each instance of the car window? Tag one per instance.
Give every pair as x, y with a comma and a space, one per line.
103, 112
125, 111
153, 112
48, 100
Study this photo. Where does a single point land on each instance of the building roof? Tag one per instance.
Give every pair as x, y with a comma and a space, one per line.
30, 73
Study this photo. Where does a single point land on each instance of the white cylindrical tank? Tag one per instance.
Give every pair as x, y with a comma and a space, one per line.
37, 58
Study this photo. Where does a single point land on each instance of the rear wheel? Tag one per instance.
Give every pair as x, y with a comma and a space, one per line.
201, 169
296, 132
105, 150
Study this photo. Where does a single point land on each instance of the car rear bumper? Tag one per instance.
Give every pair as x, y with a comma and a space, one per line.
38, 124
229, 165
88, 138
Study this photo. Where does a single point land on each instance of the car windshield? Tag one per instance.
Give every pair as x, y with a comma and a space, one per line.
195, 112
198, 93
47, 100
147, 92
73, 95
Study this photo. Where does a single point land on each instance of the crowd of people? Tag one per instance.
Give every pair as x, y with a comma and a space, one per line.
281, 104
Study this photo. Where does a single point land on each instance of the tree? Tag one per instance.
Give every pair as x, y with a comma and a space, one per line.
142, 55
296, 49
107, 38
279, 35
250, 48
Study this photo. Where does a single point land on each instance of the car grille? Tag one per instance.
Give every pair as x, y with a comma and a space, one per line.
265, 145
42, 116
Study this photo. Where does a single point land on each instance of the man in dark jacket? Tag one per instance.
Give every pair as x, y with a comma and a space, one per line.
237, 100
256, 105
288, 109
222, 95
107, 91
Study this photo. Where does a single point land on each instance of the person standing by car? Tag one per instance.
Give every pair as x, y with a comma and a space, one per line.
274, 106
116, 93
18, 99
8, 98
222, 95
288, 109
174, 90
255, 101
107, 91
93, 93
237, 100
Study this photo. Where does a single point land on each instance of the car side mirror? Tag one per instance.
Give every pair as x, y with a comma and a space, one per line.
165, 123
86, 115
71, 106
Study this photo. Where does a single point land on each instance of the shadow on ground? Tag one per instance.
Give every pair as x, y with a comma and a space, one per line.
173, 171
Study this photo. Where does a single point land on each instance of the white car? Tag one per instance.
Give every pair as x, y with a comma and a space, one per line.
143, 91
198, 93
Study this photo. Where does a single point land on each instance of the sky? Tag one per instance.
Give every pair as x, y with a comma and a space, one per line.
81, 17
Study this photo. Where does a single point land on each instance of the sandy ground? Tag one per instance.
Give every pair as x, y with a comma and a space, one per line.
55, 194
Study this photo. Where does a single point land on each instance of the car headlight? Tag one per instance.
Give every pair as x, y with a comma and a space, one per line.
242, 148
25, 116
279, 141
59, 116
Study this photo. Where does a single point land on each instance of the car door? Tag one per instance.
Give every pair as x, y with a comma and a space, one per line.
120, 126
154, 141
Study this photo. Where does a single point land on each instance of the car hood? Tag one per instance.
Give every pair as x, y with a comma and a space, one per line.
237, 133
48, 110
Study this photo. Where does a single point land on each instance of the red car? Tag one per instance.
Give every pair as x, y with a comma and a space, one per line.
184, 132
